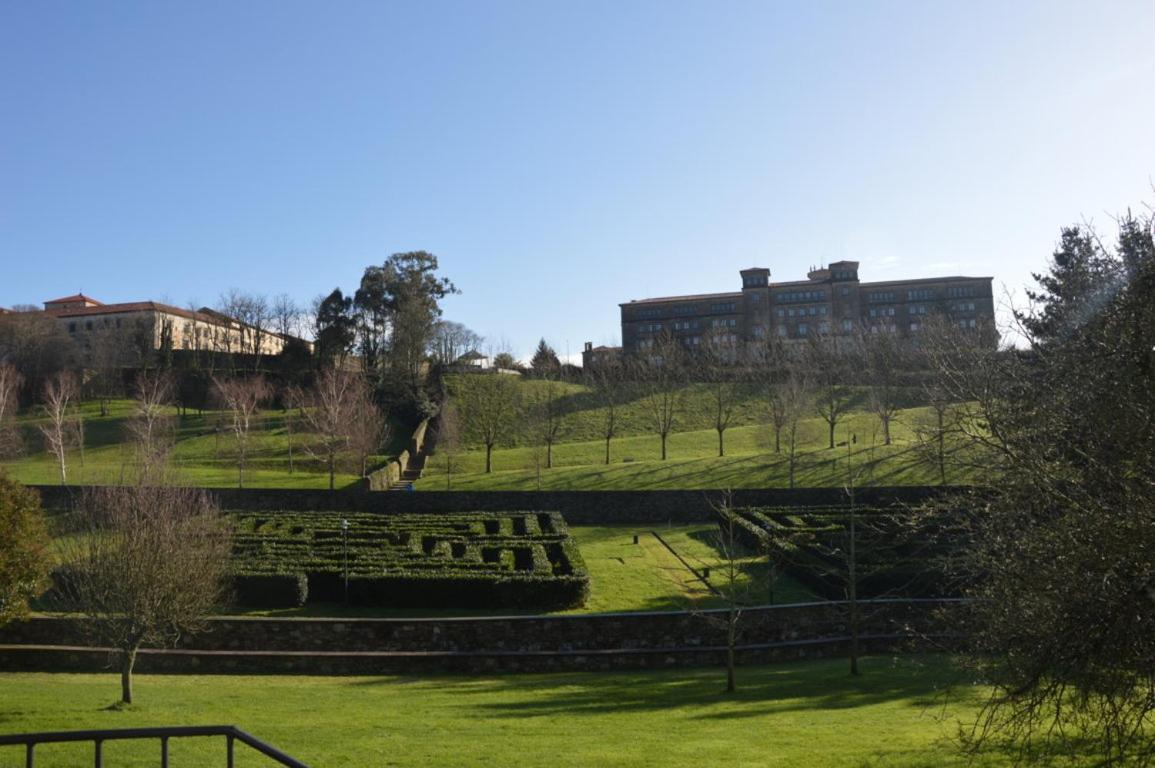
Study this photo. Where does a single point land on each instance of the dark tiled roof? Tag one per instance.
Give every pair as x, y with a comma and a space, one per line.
694, 297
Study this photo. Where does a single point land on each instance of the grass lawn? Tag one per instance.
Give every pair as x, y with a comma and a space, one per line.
898, 713
750, 460
203, 454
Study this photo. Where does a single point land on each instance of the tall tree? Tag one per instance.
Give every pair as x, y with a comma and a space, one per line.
398, 304
884, 360
545, 363
150, 565
447, 448
1062, 566
718, 366
151, 427
452, 340
330, 410
546, 417
335, 327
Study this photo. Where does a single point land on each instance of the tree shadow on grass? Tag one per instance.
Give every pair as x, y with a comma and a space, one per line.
930, 683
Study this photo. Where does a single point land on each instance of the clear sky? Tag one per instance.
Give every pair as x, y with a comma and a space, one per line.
559, 158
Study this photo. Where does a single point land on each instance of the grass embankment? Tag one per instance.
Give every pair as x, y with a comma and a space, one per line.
692, 448
204, 452
898, 713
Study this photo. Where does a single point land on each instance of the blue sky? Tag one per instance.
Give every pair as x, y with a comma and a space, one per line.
559, 158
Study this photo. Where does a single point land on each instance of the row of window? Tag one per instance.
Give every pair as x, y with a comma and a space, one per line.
874, 296
882, 311
922, 294
802, 311
960, 292
796, 296
845, 274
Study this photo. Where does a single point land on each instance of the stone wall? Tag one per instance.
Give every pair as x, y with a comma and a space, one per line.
517, 643
578, 507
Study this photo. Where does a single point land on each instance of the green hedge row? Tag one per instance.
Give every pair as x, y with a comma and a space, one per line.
481, 559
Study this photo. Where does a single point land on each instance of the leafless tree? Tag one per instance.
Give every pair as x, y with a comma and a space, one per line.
734, 593
884, 360
37, 345
789, 399
151, 427
546, 417
285, 316
660, 372
329, 410
60, 393
448, 445
242, 398
10, 383
489, 404
367, 425
452, 340
718, 366
827, 362
150, 564
109, 353
606, 382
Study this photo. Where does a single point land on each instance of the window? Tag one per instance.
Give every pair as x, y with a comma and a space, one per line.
781, 312
725, 322
802, 329
722, 307
915, 326
824, 327
960, 291
845, 291
922, 294
781, 330
88, 325
72, 327
790, 312
847, 326
916, 309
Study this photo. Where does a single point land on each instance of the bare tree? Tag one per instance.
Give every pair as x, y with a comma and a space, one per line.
660, 372
10, 383
367, 425
285, 316
546, 417
828, 369
60, 392
329, 410
150, 565
718, 367
151, 425
452, 340
242, 398
448, 445
884, 359
488, 403
606, 381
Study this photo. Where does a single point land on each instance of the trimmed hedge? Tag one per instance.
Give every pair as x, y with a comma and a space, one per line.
894, 558
460, 560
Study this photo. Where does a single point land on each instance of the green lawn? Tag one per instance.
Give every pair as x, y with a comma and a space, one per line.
900, 712
750, 460
204, 452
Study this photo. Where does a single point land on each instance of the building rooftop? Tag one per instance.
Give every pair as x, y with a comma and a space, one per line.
75, 299
694, 297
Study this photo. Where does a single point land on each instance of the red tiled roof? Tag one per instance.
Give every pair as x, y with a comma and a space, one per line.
134, 306
74, 299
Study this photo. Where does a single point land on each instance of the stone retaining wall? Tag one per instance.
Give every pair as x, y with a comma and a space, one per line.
515, 643
578, 507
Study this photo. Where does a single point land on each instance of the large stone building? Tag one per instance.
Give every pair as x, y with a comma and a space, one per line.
831, 300
150, 325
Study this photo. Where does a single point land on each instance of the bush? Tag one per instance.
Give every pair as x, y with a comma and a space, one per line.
24, 543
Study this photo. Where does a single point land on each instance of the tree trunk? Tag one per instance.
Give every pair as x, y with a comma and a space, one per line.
549, 455
831, 424
886, 430
488, 458
731, 641
127, 662
663, 446
63, 469
721, 445
777, 440
607, 451
332, 471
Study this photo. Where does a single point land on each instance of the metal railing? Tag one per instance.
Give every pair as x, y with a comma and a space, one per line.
231, 733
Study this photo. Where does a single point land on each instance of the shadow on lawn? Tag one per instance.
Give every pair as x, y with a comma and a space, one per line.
930, 683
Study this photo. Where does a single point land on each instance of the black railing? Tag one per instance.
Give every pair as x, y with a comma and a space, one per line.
230, 732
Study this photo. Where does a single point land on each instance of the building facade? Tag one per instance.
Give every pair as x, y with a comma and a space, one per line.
831, 300
149, 325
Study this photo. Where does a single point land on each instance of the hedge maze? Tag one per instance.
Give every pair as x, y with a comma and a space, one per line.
461, 560
895, 554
